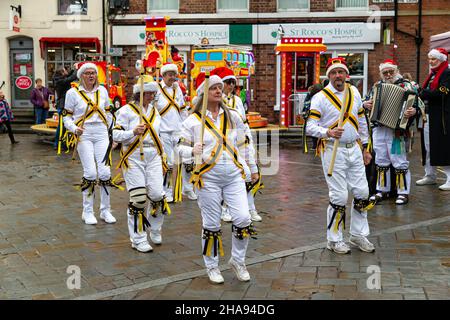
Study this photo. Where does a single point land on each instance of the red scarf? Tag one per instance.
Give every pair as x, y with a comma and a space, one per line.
438, 71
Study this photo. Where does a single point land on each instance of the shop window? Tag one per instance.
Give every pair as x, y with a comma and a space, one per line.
352, 4
67, 7
232, 5
64, 55
355, 64
293, 4
160, 5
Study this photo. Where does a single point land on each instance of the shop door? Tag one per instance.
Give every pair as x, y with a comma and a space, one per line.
22, 73
303, 77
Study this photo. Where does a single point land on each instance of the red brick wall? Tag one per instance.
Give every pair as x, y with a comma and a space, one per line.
138, 6
321, 5
127, 64
263, 6
264, 82
197, 6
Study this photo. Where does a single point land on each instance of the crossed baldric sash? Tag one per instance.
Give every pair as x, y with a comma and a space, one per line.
221, 145
149, 130
171, 103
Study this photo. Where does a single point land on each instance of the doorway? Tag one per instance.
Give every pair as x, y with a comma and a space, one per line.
21, 71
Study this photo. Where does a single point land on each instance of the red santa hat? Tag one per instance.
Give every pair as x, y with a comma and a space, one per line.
224, 73
334, 63
148, 87
200, 82
169, 67
84, 67
388, 64
439, 53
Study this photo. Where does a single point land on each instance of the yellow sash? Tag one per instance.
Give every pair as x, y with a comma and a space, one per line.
221, 145
348, 116
93, 107
172, 102
125, 154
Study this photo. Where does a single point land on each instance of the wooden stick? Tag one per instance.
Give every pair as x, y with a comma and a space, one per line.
198, 158
141, 106
341, 120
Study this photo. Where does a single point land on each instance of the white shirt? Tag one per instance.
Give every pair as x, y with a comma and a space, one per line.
171, 120
76, 105
328, 114
233, 100
127, 120
190, 133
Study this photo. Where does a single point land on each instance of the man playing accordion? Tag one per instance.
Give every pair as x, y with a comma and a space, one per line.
390, 144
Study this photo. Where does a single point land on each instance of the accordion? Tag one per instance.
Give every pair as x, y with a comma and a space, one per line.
390, 102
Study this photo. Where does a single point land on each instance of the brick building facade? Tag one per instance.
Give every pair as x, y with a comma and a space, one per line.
261, 14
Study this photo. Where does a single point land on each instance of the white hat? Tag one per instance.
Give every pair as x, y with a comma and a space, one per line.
213, 80
439, 53
334, 63
85, 66
148, 87
388, 64
169, 67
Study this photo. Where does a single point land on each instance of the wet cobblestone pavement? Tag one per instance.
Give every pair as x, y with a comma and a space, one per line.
41, 234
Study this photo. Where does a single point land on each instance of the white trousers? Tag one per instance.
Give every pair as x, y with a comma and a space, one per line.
382, 144
145, 174
170, 141
92, 148
224, 182
348, 174
430, 171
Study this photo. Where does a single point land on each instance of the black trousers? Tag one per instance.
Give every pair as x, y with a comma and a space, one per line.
10, 133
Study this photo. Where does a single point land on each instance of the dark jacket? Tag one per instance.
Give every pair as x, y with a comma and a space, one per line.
438, 107
37, 99
62, 85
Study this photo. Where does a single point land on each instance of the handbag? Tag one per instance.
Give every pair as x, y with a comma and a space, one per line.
45, 104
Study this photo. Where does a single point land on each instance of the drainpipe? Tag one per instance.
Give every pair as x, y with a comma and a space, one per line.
417, 37
104, 26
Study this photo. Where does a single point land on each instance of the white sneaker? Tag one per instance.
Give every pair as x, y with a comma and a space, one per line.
255, 216
425, 180
240, 270
89, 218
445, 187
191, 195
339, 247
156, 237
142, 247
226, 216
362, 243
215, 276
107, 217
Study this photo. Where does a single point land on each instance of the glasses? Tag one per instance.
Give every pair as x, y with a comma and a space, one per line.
388, 72
92, 73
230, 82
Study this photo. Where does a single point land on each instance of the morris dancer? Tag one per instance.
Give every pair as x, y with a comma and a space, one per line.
349, 168
87, 115
143, 177
220, 177
169, 102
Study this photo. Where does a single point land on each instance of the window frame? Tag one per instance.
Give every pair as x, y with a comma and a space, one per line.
59, 13
233, 10
177, 10
294, 9
351, 8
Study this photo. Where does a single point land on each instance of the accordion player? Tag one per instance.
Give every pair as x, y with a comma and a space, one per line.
390, 102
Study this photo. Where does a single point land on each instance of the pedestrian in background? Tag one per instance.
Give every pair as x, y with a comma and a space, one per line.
39, 99
6, 116
436, 96
61, 81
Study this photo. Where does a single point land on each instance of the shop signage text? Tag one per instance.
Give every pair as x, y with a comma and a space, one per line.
23, 82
